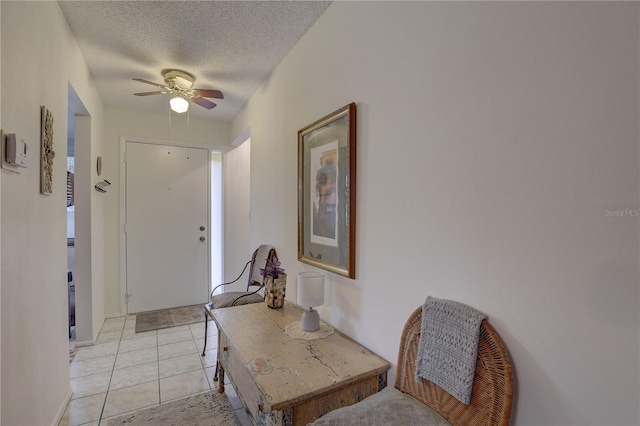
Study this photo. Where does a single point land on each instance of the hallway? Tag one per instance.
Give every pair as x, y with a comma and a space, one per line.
125, 371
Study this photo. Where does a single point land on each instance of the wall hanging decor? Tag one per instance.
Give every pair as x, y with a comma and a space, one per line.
47, 154
327, 192
100, 185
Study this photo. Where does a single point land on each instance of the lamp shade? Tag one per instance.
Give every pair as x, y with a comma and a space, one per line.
179, 104
310, 289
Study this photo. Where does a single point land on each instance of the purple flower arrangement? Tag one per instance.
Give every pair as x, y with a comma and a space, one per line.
272, 268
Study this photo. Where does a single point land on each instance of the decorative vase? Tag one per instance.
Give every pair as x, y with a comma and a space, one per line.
274, 290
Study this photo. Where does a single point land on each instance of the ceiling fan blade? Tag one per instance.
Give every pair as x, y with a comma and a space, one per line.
151, 93
141, 80
207, 93
203, 102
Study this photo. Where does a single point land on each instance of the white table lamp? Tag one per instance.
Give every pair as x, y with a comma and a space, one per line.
310, 294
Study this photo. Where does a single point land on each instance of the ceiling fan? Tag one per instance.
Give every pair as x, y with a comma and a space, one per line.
179, 85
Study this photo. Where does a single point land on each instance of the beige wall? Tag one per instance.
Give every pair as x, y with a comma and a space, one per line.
40, 59
496, 141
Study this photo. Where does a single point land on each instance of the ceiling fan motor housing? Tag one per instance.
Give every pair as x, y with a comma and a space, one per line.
178, 79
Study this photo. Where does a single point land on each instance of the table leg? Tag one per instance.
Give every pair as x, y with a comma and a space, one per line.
220, 373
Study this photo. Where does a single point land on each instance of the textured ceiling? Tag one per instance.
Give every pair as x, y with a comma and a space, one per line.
230, 46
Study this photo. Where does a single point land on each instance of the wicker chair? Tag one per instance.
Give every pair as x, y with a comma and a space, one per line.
492, 392
491, 396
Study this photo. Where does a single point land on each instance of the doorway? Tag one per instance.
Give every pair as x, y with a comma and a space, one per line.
71, 212
78, 277
166, 222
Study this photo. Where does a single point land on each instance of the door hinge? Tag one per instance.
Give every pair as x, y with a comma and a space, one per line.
125, 227
126, 297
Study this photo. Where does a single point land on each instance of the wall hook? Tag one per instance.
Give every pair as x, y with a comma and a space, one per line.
100, 185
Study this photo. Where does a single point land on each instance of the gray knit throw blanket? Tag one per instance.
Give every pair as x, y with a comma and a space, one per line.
448, 346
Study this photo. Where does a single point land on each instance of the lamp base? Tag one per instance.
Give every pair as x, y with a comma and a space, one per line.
310, 320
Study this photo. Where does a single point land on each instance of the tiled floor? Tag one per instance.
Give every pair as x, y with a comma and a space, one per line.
125, 371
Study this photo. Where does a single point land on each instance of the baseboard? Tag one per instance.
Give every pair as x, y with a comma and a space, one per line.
84, 344
113, 315
62, 409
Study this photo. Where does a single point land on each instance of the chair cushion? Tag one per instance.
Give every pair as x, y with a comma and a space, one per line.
387, 407
225, 300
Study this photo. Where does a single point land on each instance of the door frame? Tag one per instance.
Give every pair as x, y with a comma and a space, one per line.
123, 188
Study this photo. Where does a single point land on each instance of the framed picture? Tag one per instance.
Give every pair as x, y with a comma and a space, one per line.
327, 192
47, 154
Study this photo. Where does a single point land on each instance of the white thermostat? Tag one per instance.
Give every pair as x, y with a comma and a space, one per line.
17, 151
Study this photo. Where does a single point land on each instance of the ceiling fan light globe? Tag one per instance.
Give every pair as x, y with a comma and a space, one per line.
179, 104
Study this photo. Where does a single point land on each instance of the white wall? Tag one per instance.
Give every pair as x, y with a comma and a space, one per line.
496, 141
39, 60
237, 251
124, 123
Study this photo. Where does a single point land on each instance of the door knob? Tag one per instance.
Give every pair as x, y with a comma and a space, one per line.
202, 228
202, 238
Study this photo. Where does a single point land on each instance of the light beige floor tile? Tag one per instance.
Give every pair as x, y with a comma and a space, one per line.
210, 357
135, 378
131, 398
112, 326
198, 333
183, 385
91, 366
142, 342
173, 329
174, 336
141, 356
96, 351
197, 325
108, 336
212, 342
147, 333
83, 410
135, 375
178, 365
90, 385
128, 333
176, 349
210, 372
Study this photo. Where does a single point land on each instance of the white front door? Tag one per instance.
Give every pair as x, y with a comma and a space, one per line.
167, 226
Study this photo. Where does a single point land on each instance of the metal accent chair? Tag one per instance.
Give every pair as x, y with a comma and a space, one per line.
235, 298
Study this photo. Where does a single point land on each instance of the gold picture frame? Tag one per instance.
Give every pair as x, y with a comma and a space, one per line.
327, 192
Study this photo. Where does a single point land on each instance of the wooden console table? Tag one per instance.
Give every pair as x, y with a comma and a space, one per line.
288, 381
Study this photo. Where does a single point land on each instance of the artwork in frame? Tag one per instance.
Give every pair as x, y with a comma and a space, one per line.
47, 154
327, 192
